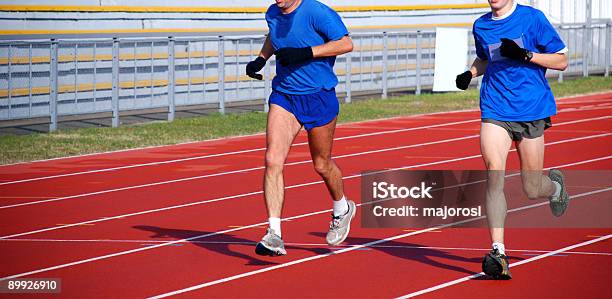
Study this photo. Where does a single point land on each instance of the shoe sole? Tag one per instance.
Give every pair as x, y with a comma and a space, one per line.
348, 229
261, 249
559, 208
498, 274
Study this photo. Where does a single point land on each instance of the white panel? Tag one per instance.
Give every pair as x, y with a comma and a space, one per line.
451, 56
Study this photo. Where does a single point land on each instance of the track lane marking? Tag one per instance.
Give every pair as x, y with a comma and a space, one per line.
229, 153
262, 167
287, 219
148, 242
291, 187
369, 244
529, 260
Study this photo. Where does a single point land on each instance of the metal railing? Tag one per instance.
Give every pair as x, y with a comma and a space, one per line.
51, 79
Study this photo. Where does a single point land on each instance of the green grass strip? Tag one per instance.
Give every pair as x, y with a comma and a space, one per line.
94, 140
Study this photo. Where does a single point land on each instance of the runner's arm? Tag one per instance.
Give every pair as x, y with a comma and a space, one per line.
333, 48
555, 61
478, 67
266, 50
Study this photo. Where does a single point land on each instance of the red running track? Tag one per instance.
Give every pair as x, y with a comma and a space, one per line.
183, 219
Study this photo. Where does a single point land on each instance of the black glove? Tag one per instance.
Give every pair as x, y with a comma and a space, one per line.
511, 50
463, 80
289, 56
255, 66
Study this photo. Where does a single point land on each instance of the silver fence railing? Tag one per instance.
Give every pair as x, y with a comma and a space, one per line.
48, 80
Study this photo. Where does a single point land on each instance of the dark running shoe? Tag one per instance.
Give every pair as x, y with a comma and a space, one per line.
559, 204
496, 265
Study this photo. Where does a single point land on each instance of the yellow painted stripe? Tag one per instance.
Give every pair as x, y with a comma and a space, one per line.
120, 31
124, 85
85, 87
379, 69
392, 47
109, 57
183, 55
433, 25
179, 9
194, 54
132, 9
208, 30
409, 7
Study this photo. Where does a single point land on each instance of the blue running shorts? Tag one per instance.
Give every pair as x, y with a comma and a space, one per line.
311, 110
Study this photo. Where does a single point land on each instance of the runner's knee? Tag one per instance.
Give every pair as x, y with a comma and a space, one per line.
494, 165
495, 182
532, 183
531, 190
274, 162
323, 166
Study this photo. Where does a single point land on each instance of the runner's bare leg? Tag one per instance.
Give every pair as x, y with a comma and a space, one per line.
531, 154
320, 141
282, 129
494, 145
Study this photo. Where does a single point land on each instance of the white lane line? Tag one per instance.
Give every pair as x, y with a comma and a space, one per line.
264, 223
582, 120
232, 172
292, 187
590, 109
529, 260
159, 245
258, 168
229, 153
356, 247
148, 241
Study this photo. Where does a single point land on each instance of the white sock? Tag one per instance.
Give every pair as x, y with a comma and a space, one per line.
340, 206
557, 190
275, 225
500, 247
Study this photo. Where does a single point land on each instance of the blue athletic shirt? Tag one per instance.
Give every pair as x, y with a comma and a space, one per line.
311, 24
513, 90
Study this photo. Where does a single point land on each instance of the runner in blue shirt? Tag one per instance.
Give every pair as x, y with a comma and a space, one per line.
306, 36
515, 45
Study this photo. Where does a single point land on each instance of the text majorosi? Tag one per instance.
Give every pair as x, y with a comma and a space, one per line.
384, 190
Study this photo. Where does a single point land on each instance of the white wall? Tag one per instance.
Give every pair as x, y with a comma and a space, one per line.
573, 10
220, 21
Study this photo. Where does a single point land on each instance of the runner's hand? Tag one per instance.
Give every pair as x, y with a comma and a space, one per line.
511, 50
289, 56
255, 66
463, 80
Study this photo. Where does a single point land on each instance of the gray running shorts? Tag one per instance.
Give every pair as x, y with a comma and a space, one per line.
517, 130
